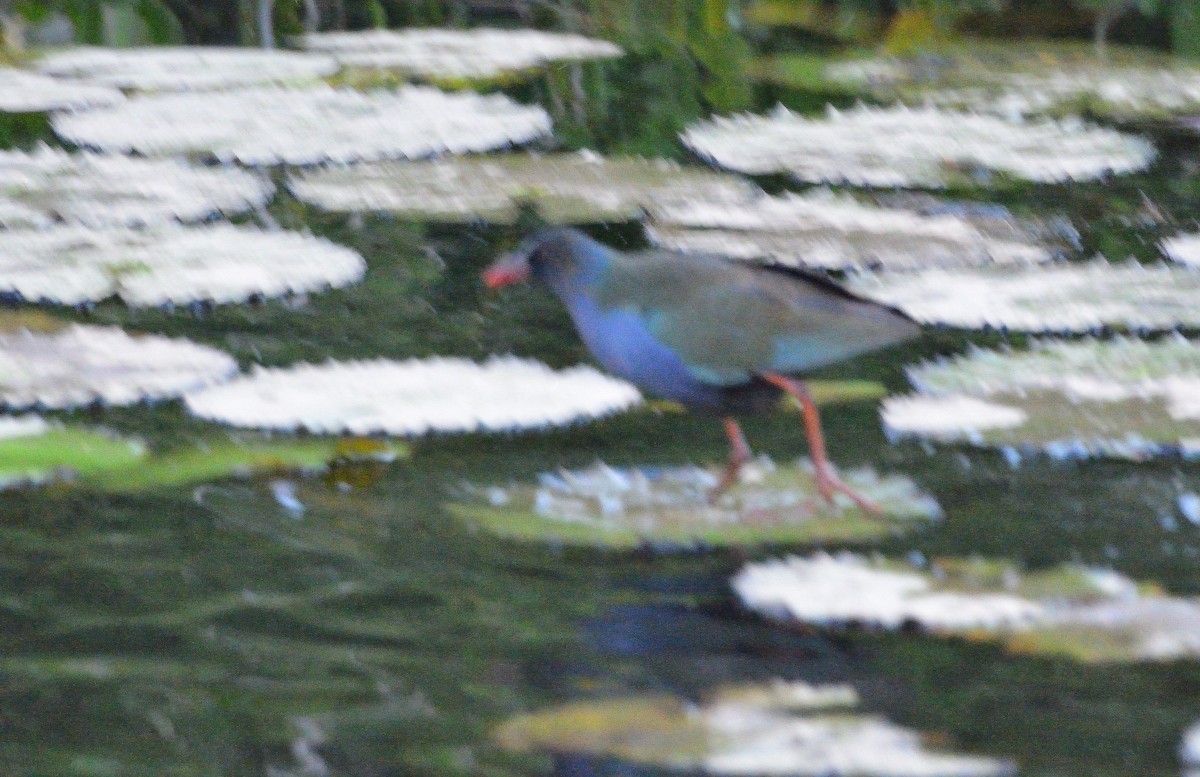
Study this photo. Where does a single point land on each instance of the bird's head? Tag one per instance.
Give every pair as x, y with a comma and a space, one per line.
553, 256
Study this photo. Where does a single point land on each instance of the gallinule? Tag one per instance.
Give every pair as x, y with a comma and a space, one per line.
713, 334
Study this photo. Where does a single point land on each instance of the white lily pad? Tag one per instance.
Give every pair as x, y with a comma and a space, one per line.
220, 263
925, 147
23, 92
669, 507
266, 126
836, 231
456, 54
78, 365
1085, 613
413, 397
49, 186
1123, 397
1183, 248
1189, 751
186, 68
567, 188
1078, 297
784, 728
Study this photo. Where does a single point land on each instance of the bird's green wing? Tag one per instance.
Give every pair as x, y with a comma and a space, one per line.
728, 321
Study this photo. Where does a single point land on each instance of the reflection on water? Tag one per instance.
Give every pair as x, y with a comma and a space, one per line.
213, 631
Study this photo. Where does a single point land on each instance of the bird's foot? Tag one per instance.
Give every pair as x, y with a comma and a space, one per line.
829, 484
729, 477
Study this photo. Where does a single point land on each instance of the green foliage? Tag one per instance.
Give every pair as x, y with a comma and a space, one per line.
1185, 28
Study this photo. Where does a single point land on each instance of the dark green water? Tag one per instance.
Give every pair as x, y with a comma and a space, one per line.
208, 632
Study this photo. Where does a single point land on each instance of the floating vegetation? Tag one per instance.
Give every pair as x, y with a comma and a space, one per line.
669, 507
1184, 248
926, 147
50, 186
1033, 78
80, 365
33, 451
1086, 613
1124, 397
267, 126
1078, 298
783, 728
186, 68
170, 264
836, 231
22, 92
413, 397
443, 54
567, 188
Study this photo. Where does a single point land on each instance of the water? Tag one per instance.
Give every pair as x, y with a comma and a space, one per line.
215, 631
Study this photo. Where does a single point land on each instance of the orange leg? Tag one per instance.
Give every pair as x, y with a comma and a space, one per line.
827, 482
738, 456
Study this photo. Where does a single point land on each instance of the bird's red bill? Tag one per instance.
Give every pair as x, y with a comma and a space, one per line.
505, 271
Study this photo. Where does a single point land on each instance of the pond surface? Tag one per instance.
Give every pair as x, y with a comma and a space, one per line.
210, 631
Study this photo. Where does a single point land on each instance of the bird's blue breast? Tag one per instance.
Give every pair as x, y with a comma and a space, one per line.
621, 342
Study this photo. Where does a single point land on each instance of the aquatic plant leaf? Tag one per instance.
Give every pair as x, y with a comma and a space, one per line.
50, 186
925, 147
33, 451
170, 264
1036, 77
413, 397
565, 188
1088, 614
268, 126
186, 68
80, 365
23, 92
836, 231
1075, 298
669, 507
1122, 397
793, 729
476, 54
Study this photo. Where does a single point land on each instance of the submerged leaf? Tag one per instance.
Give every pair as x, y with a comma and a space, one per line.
793, 729
670, 508
565, 188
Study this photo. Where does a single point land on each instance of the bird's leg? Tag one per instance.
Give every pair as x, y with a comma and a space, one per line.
827, 482
739, 454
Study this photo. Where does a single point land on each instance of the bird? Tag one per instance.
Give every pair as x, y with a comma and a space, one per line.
719, 336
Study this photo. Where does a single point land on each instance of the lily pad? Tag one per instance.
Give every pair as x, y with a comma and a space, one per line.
190, 68
836, 231
1123, 397
1060, 298
33, 451
925, 147
22, 92
413, 397
1031, 78
267, 126
50, 186
1088, 614
170, 264
79, 365
793, 729
567, 188
669, 507
444, 54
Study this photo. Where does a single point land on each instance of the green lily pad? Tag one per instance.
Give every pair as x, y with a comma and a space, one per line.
1088, 614
567, 188
782, 729
33, 451
1124, 397
669, 507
